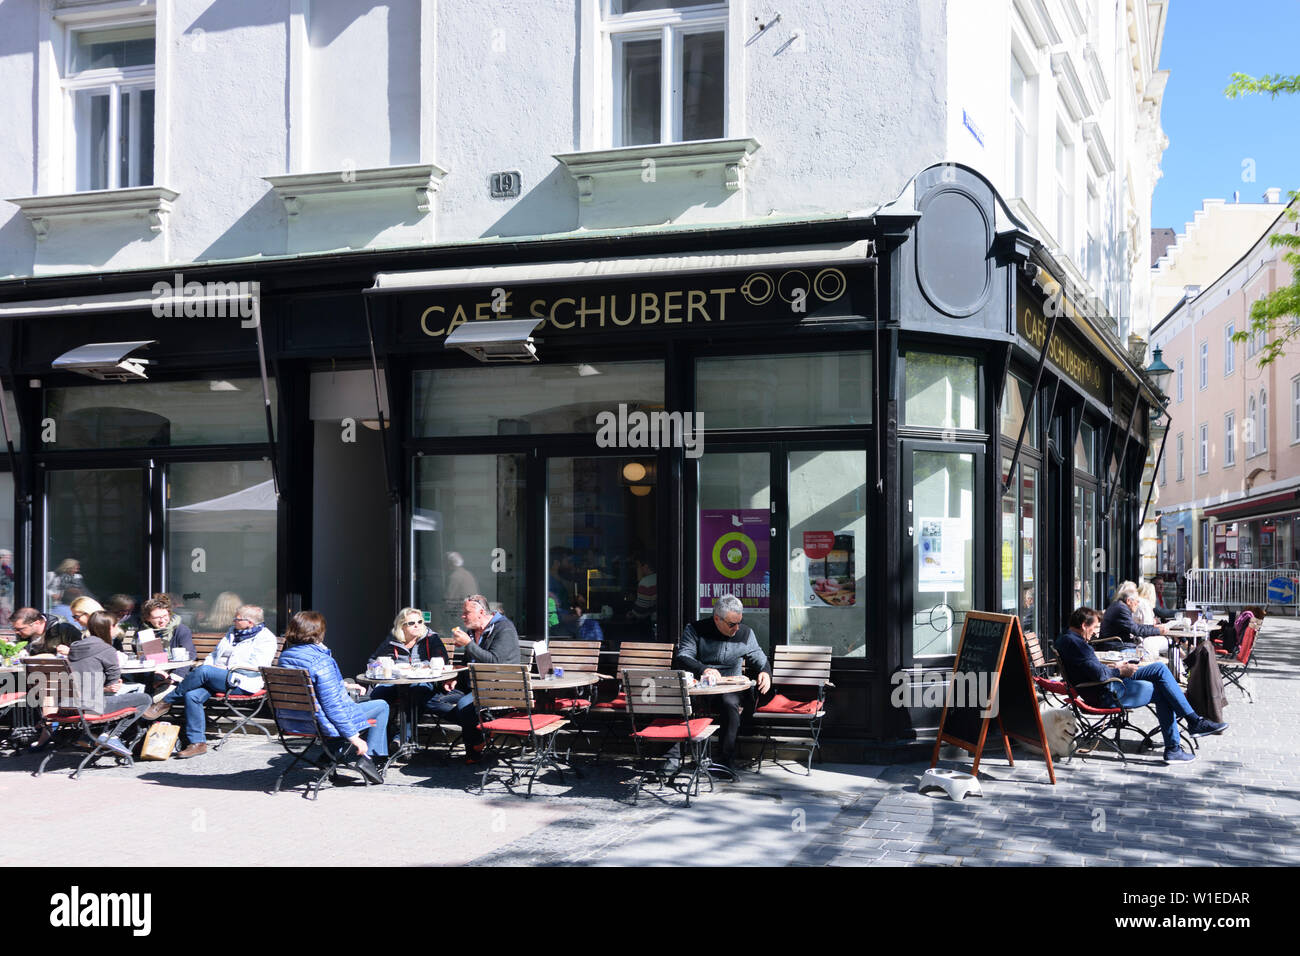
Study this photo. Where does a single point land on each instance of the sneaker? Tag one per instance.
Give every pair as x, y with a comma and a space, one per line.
1179, 755
114, 745
1202, 727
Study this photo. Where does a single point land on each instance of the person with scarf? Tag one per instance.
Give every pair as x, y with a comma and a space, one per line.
171, 630
231, 667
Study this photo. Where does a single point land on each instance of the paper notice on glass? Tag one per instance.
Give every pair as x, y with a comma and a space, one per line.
941, 555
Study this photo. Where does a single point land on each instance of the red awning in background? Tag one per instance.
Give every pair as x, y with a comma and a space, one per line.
1245, 507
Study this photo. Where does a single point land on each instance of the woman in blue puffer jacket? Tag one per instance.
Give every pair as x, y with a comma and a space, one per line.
338, 714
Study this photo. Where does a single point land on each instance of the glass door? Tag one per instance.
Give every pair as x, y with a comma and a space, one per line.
97, 523
939, 520
734, 532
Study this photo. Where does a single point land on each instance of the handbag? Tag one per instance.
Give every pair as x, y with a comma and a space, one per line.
160, 741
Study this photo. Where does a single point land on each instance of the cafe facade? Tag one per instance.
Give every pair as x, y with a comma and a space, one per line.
863, 426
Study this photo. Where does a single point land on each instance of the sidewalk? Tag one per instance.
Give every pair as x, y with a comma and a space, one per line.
1233, 806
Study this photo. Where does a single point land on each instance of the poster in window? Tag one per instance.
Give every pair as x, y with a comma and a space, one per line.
1027, 551
941, 551
829, 569
734, 550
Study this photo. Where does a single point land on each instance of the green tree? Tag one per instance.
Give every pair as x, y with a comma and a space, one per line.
1276, 317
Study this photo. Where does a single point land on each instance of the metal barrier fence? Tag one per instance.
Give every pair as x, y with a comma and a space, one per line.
1234, 588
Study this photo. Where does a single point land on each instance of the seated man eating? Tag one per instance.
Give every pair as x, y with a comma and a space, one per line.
1141, 684
231, 668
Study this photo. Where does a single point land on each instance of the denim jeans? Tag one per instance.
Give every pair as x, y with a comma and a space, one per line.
199, 684
417, 696
459, 706
1154, 683
376, 736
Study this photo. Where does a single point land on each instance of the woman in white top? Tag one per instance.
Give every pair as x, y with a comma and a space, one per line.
1146, 614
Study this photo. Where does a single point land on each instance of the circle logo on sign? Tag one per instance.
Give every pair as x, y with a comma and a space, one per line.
757, 289
726, 563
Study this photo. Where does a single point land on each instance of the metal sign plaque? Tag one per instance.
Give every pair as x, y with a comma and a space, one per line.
504, 185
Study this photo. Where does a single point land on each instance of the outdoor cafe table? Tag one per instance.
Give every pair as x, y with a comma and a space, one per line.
725, 685
406, 716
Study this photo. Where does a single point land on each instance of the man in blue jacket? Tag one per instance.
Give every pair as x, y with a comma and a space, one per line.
1138, 686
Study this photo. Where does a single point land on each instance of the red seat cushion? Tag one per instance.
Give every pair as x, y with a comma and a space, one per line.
618, 703
256, 695
572, 703
519, 725
780, 704
115, 715
1051, 686
665, 728
1096, 711
7, 699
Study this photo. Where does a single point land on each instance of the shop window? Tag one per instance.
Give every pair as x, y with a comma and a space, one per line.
1085, 449
109, 83
1015, 400
468, 507
1085, 546
157, 414
7, 569
1203, 450
668, 78
734, 536
1229, 439
828, 593
940, 391
771, 391
95, 534
531, 399
221, 541
1229, 349
943, 569
1018, 553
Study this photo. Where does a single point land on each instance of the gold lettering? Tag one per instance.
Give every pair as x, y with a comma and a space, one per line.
583, 312
555, 305
695, 300
459, 317
649, 304
424, 317
538, 309
671, 307
631, 309
480, 308
722, 302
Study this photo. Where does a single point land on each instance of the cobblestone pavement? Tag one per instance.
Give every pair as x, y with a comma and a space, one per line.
1233, 806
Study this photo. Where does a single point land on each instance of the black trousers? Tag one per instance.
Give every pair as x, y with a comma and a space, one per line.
726, 711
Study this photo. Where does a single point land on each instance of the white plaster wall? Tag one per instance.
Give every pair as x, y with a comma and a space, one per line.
18, 39
845, 121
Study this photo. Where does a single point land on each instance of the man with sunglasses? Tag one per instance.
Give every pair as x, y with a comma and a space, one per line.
714, 647
232, 667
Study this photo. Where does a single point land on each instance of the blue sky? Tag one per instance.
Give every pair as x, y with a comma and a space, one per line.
1210, 136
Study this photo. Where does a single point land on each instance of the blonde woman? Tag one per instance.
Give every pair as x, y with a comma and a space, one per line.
1146, 614
411, 641
222, 613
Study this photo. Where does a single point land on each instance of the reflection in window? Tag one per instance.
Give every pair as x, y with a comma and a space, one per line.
95, 540
221, 541
1015, 399
941, 390
159, 414
602, 543
784, 390
533, 399
943, 575
465, 508
6, 549
734, 524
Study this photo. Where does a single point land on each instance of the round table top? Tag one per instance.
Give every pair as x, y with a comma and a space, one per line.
447, 674
567, 682
731, 687
148, 667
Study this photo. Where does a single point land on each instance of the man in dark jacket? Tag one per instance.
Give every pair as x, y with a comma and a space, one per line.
1137, 685
1118, 625
491, 639
715, 646
44, 633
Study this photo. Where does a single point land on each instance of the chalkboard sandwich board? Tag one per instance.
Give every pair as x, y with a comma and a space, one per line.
991, 681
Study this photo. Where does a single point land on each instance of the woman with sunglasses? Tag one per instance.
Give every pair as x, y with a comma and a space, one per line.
411, 641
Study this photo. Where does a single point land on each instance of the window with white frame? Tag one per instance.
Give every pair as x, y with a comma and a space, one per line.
1021, 141
1229, 439
1164, 468
1092, 247
668, 60
1203, 450
1263, 420
1252, 442
1064, 192
1229, 349
1205, 364
1179, 379
108, 83
1178, 452
1295, 409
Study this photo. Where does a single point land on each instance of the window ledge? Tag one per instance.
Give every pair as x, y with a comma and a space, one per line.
729, 156
153, 203
422, 181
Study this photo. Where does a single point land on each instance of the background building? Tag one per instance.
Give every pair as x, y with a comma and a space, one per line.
947, 203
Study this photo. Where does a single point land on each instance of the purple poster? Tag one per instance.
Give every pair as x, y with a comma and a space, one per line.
733, 556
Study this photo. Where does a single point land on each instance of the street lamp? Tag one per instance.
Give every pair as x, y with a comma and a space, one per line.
1158, 370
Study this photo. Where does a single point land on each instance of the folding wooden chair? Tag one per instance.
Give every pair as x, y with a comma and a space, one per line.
799, 717
293, 705
63, 705
638, 654
659, 700
1233, 669
509, 687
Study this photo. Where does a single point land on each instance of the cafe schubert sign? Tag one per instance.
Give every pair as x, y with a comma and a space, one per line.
697, 301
